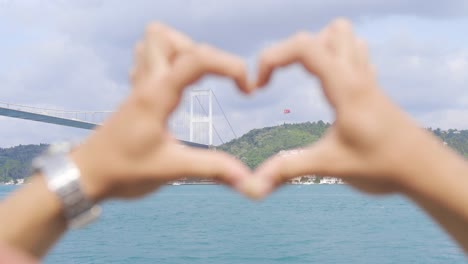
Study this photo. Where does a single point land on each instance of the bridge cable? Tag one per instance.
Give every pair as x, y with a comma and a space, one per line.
224, 114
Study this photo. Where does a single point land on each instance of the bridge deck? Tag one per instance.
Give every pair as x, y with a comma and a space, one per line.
65, 122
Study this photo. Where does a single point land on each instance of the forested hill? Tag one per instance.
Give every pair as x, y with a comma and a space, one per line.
252, 148
259, 144
15, 162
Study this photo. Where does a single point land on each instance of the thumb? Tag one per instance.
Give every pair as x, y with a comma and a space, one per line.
211, 164
322, 158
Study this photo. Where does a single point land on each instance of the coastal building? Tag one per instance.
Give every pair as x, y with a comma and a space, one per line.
15, 182
331, 180
308, 179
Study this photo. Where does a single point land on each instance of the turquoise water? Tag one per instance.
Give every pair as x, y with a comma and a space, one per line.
298, 224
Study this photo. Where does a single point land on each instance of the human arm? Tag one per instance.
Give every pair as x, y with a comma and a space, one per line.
132, 153
373, 144
438, 184
31, 218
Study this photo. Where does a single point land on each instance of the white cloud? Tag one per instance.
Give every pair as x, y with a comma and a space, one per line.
76, 55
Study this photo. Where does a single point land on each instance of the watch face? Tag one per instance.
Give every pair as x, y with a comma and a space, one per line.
37, 164
60, 148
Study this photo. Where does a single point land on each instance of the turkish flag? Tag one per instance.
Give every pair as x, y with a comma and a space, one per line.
286, 111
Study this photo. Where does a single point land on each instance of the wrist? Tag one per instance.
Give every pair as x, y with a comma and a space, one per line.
91, 179
428, 164
63, 178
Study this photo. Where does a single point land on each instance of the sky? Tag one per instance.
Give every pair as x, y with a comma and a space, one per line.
76, 55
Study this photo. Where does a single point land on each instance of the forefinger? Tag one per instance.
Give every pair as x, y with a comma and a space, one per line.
301, 48
166, 39
203, 59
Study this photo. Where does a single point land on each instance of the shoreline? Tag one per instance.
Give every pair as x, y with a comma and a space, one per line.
215, 183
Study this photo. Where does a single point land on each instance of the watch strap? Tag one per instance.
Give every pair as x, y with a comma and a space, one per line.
63, 178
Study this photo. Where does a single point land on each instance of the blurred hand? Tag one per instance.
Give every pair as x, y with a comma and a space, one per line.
133, 153
365, 144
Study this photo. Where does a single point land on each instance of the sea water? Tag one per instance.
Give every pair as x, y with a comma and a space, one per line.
299, 224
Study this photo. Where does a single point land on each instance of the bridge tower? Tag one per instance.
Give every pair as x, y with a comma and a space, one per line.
201, 117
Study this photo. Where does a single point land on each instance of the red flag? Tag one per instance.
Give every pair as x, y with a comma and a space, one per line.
286, 111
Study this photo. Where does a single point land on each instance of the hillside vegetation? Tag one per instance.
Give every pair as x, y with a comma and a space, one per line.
252, 148
259, 144
15, 162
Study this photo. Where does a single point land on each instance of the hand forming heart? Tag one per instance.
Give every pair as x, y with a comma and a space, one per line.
133, 153
372, 144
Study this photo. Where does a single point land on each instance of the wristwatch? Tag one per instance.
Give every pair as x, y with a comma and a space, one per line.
63, 178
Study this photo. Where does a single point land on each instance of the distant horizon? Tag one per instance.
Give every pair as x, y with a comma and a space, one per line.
48, 143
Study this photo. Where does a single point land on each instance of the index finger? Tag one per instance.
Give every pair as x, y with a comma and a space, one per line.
167, 39
157, 50
301, 48
192, 65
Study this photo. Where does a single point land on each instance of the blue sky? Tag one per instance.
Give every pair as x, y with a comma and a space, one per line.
76, 55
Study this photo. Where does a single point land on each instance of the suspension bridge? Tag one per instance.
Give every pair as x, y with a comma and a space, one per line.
193, 123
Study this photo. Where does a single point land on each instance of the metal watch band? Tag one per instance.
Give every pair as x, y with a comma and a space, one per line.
63, 178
